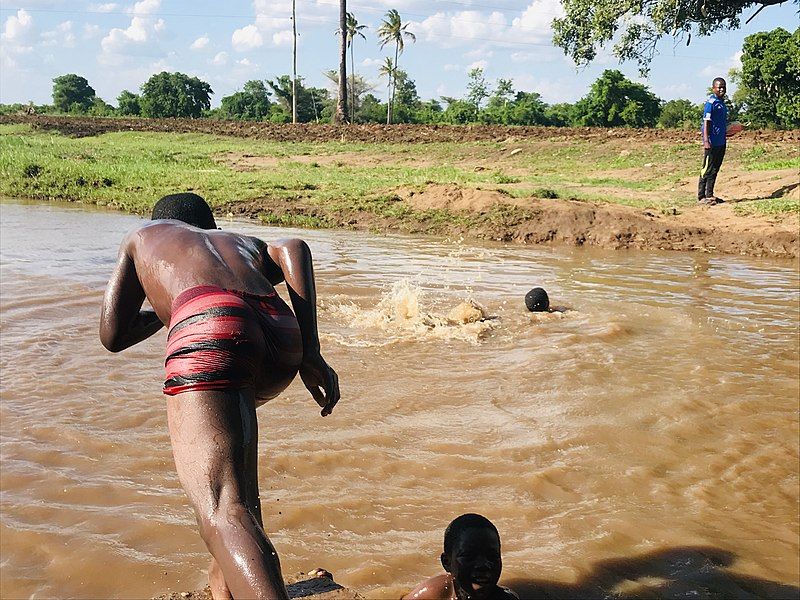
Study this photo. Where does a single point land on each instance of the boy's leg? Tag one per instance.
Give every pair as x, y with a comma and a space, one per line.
701, 184
214, 438
714, 163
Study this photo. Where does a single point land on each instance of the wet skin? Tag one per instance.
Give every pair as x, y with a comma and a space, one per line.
214, 434
473, 570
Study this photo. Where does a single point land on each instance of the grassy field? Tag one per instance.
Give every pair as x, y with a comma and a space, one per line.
130, 170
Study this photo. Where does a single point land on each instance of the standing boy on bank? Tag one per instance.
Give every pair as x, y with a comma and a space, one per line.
232, 345
715, 125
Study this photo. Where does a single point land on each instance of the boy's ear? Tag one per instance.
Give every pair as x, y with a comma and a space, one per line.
445, 562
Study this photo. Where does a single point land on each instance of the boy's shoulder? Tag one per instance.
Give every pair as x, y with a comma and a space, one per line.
506, 593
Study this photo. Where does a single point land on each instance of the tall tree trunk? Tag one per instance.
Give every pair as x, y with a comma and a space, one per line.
352, 83
294, 62
341, 104
390, 113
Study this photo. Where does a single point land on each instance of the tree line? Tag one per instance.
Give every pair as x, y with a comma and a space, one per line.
768, 95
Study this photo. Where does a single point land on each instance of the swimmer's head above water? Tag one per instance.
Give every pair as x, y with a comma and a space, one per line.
537, 300
187, 207
472, 557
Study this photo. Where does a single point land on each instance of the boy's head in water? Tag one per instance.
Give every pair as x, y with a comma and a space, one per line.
471, 559
187, 207
472, 556
537, 300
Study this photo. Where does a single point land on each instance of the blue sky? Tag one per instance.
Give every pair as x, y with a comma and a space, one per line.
119, 45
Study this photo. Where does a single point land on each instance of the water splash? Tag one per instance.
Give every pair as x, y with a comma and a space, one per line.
404, 313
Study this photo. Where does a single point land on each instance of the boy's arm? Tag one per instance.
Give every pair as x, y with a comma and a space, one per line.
293, 257
122, 323
707, 110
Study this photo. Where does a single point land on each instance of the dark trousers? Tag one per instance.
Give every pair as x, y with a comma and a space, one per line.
712, 161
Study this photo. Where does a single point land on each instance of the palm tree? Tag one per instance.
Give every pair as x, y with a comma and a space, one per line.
393, 30
353, 31
340, 116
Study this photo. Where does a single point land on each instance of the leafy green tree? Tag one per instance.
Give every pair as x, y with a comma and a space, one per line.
128, 104
72, 93
354, 30
430, 111
638, 25
459, 112
562, 114
371, 110
769, 80
680, 114
477, 88
615, 101
528, 109
313, 103
392, 30
174, 95
250, 104
407, 100
100, 108
498, 110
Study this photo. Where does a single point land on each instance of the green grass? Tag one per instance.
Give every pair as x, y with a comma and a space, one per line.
130, 170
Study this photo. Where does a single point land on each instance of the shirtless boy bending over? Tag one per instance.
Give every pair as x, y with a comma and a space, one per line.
472, 562
232, 345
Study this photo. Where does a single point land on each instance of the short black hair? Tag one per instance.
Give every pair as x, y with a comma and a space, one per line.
716, 79
187, 207
460, 524
537, 300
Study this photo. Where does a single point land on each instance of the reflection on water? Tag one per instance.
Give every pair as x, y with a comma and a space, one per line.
645, 441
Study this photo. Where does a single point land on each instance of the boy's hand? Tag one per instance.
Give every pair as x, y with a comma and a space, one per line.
321, 380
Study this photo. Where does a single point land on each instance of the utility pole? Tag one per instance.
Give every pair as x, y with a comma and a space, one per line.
294, 62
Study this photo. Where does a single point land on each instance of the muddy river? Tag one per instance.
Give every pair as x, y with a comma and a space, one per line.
644, 443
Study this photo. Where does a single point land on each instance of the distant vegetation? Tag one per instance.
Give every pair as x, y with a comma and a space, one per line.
768, 95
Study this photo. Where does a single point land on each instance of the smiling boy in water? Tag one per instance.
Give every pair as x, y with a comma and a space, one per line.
472, 562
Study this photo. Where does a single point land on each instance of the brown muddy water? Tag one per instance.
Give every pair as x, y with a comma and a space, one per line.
643, 444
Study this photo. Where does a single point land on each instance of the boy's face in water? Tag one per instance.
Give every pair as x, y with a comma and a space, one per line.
475, 563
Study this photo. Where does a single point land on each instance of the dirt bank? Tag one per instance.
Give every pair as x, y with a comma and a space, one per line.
488, 214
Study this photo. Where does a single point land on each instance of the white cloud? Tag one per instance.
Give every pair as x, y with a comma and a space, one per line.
90, 31
247, 38
220, 60
247, 64
282, 38
200, 43
371, 62
103, 8
452, 67
145, 7
117, 43
478, 64
18, 29
62, 35
721, 68
534, 25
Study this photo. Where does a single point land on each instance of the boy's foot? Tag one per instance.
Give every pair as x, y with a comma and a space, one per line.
708, 201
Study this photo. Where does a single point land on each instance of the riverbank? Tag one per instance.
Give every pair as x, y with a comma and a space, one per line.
302, 585
613, 188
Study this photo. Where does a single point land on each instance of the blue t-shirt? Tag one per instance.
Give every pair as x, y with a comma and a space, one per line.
716, 112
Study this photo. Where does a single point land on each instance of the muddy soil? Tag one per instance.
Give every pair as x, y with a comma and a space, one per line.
319, 132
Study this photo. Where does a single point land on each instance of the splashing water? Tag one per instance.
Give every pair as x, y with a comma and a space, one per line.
401, 316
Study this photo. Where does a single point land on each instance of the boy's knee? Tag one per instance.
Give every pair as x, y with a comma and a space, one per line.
227, 514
